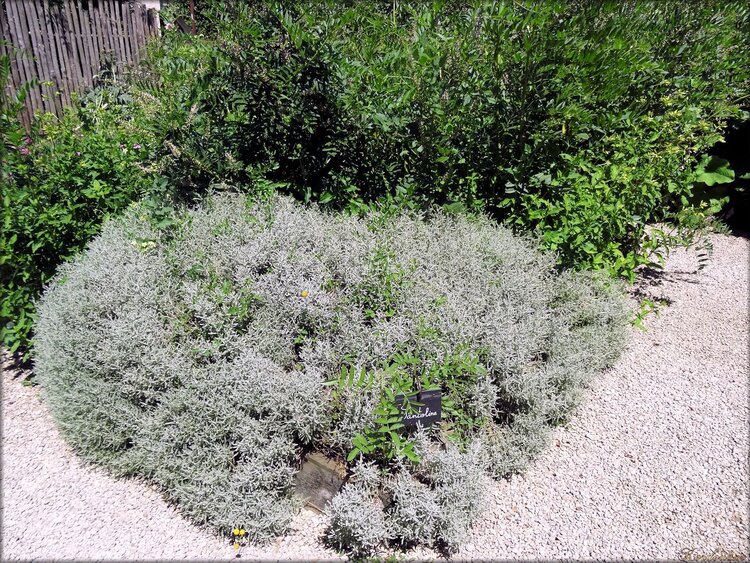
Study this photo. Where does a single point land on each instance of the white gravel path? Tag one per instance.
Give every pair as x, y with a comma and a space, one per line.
653, 465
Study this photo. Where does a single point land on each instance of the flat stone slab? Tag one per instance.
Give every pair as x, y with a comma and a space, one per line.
318, 481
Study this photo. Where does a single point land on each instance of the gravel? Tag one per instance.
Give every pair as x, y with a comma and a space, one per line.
653, 465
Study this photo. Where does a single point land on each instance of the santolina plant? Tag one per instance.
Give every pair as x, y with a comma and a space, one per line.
208, 357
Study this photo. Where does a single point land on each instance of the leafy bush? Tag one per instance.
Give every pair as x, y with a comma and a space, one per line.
435, 505
198, 356
245, 106
13, 154
59, 183
582, 121
358, 523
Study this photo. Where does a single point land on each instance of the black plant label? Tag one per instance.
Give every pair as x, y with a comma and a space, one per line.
423, 408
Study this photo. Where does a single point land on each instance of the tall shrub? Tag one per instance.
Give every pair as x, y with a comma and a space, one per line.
581, 120
59, 183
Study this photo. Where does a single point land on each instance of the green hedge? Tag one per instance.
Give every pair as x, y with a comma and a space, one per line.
582, 120
60, 182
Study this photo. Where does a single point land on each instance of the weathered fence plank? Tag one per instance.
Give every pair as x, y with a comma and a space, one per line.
125, 15
96, 28
15, 71
110, 31
139, 26
26, 42
63, 44
72, 58
119, 21
154, 22
61, 80
82, 41
21, 42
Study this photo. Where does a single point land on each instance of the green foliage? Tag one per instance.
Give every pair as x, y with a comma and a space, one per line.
250, 104
379, 294
646, 308
404, 375
713, 170
383, 439
461, 374
10, 105
15, 311
581, 121
60, 182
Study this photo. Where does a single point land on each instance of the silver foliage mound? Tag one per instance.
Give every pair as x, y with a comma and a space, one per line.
196, 357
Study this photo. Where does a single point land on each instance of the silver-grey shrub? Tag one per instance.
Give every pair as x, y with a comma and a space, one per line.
196, 357
358, 522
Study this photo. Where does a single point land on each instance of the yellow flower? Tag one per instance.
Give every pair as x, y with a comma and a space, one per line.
236, 545
236, 531
242, 531
305, 293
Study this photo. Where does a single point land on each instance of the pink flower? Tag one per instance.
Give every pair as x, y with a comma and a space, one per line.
137, 146
27, 140
78, 153
24, 151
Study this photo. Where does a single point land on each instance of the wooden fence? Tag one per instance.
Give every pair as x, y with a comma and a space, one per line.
62, 44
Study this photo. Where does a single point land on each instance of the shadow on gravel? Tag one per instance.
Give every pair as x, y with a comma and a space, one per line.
740, 232
651, 280
19, 370
654, 277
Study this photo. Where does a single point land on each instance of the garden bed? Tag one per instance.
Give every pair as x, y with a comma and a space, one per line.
652, 465
210, 357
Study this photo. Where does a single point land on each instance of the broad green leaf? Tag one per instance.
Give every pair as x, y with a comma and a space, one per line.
713, 170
